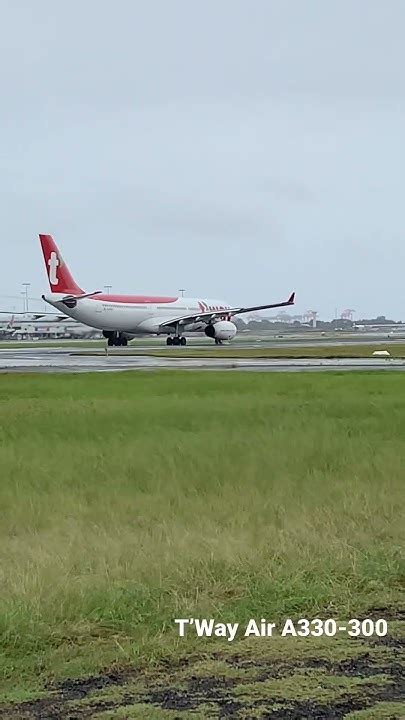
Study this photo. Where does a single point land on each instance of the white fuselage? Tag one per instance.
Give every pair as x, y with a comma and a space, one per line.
131, 317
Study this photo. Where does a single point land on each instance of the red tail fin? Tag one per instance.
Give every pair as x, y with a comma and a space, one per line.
60, 279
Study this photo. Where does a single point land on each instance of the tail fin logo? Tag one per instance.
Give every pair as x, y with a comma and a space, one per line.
53, 263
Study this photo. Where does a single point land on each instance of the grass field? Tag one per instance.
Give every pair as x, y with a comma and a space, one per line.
228, 351
133, 499
201, 344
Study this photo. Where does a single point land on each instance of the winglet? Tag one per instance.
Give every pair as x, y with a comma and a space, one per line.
291, 299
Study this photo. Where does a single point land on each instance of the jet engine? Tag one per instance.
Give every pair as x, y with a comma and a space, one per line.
221, 330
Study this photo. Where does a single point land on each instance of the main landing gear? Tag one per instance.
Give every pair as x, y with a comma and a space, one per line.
176, 340
115, 339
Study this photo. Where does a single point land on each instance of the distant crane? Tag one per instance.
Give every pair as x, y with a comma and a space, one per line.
347, 314
254, 317
310, 316
283, 317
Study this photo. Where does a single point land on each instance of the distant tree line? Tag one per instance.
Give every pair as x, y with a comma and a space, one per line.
266, 325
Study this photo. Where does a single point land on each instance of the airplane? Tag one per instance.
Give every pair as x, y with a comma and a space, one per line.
123, 317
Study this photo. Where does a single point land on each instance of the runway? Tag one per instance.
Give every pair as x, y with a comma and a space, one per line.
67, 360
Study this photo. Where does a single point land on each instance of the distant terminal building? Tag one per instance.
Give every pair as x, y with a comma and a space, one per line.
36, 326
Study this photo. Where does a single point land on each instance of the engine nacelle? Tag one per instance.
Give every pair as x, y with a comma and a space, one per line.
221, 330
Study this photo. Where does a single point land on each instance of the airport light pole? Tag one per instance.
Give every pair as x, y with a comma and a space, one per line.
26, 286
108, 288
182, 291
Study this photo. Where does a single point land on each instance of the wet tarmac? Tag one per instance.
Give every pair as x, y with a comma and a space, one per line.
69, 360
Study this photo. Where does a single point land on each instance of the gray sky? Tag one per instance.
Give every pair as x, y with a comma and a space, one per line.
240, 149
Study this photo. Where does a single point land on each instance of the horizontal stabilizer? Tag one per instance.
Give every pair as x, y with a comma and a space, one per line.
80, 297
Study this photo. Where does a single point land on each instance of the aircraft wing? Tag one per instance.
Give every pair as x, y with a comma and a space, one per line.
209, 315
30, 316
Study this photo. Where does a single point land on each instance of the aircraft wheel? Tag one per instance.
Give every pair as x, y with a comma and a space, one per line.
176, 341
124, 341
110, 342
183, 341
169, 340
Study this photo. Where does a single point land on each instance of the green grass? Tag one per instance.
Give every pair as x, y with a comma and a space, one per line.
132, 499
227, 351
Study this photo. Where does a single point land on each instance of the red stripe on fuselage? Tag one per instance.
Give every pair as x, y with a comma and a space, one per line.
135, 299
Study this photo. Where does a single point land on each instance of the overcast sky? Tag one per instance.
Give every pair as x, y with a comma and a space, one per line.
239, 149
